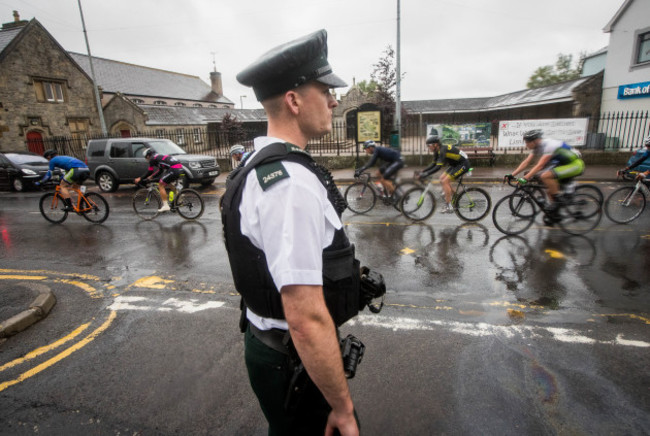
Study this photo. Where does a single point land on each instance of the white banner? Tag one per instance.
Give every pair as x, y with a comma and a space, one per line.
573, 131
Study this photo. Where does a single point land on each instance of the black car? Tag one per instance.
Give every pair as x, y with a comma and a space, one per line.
20, 169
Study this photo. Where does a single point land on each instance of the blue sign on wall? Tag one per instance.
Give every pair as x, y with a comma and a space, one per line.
634, 90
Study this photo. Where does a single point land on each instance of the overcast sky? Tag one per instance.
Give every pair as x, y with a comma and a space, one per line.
449, 49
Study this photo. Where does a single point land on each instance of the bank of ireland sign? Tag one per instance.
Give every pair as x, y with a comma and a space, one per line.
634, 90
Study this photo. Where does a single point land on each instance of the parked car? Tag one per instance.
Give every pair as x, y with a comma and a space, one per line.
20, 169
114, 161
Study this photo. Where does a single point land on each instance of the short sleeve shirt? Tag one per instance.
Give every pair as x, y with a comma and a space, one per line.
292, 222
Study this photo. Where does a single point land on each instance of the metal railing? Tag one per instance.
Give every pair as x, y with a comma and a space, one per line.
614, 131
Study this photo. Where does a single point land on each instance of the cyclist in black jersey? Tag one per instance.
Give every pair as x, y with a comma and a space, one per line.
452, 156
167, 167
388, 171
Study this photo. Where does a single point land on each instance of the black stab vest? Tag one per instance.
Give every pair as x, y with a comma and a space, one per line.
341, 277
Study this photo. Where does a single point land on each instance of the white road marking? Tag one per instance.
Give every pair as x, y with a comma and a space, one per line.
484, 329
171, 304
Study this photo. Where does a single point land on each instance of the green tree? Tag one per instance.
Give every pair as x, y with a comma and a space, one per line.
384, 74
563, 70
367, 87
231, 130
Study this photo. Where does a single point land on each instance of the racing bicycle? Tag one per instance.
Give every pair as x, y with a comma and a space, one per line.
362, 195
627, 203
187, 202
577, 212
469, 204
92, 206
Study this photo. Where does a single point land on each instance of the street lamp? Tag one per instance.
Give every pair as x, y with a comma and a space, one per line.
241, 101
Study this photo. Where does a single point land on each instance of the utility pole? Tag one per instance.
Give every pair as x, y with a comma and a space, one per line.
92, 73
398, 85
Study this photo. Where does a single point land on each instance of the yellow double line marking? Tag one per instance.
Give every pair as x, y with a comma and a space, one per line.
62, 355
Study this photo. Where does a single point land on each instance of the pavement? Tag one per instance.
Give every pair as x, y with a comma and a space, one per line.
40, 307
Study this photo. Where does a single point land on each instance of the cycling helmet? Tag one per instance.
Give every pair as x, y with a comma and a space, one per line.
646, 142
236, 149
148, 152
50, 153
433, 139
531, 135
369, 143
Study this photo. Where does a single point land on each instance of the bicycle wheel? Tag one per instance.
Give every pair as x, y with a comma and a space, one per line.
189, 204
622, 207
591, 190
472, 204
51, 206
146, 203
400, 189
97, 208
360, 197
581, 214
514, 214
418, 204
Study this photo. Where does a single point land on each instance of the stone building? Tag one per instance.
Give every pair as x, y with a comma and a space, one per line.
43, 91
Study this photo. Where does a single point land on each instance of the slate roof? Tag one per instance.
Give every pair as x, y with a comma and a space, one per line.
185, 115
6, 36
136, 80
556, 93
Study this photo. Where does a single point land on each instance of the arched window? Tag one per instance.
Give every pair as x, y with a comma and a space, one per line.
179, 103
160, 102
137, 100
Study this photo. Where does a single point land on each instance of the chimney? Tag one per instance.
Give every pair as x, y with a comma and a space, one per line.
217, 86
16, 23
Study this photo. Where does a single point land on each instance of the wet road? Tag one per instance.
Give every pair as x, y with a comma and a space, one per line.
544, 333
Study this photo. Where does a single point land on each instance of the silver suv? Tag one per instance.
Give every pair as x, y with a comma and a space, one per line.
120, 160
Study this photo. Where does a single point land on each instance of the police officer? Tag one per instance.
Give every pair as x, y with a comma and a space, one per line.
278, 228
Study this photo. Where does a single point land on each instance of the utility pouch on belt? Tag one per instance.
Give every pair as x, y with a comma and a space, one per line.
341, 283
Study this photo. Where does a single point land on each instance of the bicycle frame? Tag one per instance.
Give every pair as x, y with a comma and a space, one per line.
640, 186
81, 199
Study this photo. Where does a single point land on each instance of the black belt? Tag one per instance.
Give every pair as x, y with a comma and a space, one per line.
273, 338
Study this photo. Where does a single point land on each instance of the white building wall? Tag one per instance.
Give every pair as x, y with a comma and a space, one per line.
620, 66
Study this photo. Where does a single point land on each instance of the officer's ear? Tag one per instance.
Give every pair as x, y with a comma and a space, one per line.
292, 101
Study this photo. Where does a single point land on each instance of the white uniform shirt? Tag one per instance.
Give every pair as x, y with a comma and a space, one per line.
292, 222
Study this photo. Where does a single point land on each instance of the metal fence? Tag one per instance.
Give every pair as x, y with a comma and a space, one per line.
613, 131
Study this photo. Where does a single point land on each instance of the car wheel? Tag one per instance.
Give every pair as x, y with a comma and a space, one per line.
18, 185
106, 182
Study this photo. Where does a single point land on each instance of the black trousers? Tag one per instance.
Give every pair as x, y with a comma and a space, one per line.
270, 372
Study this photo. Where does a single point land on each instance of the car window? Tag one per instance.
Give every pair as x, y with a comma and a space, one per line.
166, 147
26, 159
3, 160
96, 148
138, 149
121, 149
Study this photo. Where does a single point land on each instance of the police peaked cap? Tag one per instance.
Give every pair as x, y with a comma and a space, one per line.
291, 65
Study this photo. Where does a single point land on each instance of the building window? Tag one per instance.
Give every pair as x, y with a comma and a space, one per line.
197, 105
213, 105
49, 91
198, 138
79, 130
180, 137
137, 100
160, 102
179, 103
643, 50
160, 133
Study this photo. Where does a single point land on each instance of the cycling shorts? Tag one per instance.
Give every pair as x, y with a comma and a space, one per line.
570, 170
458, 170
390, 170
76, 175
171, 175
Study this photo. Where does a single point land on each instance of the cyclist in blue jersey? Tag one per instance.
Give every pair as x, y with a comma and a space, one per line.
557, 162
388, 171
76, 172
239, 153
641, 158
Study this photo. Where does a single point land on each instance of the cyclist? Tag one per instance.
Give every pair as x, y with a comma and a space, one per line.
640, 160
168, 168
239, 153
445, 154
557, 162
388, 171
76, 172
